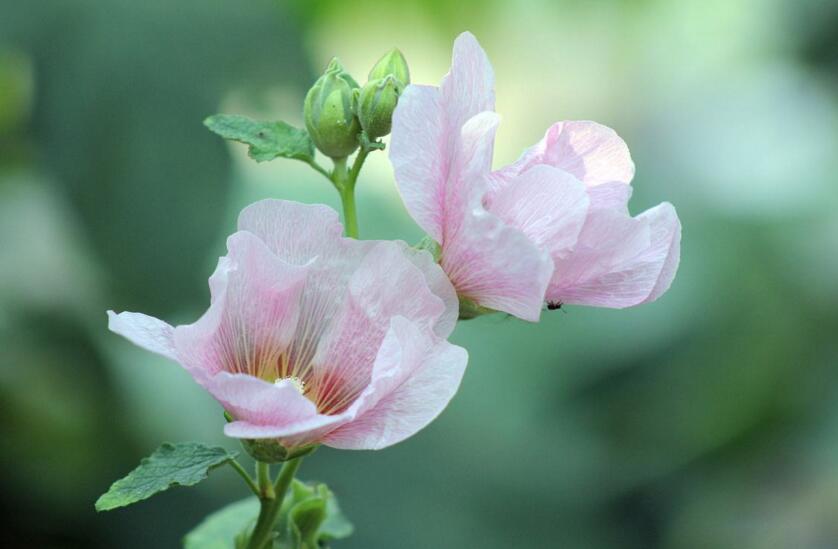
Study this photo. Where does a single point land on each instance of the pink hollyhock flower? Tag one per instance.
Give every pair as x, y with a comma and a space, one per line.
554, 226
315, 338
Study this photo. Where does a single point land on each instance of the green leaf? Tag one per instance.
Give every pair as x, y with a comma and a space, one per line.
267, 140
226, 528
183, 464
336, 525
305, 519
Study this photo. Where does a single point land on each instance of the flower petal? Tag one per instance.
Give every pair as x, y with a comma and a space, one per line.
620, 261
426, 147
498, 266
418, 154
253, 317
468, 88
295, 232
547, 204
413, 380
593, 153
439, 284
145, 331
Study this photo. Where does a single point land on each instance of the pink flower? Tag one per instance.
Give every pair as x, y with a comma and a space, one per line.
554, 226
315, 338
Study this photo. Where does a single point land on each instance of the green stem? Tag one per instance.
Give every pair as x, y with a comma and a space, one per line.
350, 215
247, 478
271, 496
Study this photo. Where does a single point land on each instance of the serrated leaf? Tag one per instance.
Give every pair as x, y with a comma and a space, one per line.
182, 464
225, 528
267, 140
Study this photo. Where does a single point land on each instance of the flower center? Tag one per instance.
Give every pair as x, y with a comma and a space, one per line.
298, 383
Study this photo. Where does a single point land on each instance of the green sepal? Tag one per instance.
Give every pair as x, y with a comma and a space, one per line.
182, 464
430, 245
469, 309
268, 450
267, 140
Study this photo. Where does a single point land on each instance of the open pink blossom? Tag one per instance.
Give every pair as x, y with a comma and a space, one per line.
554, 226
315, 338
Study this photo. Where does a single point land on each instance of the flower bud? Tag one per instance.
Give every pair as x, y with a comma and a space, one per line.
376, 104
393, 63
330, 112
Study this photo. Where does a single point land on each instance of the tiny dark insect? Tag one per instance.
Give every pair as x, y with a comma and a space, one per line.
554, 305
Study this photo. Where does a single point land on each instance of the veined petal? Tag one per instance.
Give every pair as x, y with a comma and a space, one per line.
419, 157
614, 196
498, 266
413, 380
547, 204
439, 284
468, 88
620, 261
296, 233
253, 318
594, 153
144, 331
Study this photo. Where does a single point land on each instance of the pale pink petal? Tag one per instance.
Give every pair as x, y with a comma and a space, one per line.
417, 152
414, 378
144, 331
468, 88
253, 317
497, 266
439, 284
296, 233
547, 204
619, 261
666, 229
426, 151
614, 196
386, 284
260, 402
593, 153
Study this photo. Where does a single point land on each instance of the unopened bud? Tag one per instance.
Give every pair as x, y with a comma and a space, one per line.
393, 63
376, 104
330, 111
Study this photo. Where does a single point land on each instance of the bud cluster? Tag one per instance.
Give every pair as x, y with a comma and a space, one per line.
337, 109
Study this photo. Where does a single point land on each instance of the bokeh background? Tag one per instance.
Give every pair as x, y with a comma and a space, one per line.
708, 419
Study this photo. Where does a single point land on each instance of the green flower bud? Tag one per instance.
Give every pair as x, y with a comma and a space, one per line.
393, 63
330, 112
376, 104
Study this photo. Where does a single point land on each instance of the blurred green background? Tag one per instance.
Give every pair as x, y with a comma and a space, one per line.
706, 419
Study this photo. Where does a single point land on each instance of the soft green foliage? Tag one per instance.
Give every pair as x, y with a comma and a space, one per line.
182, 464
224, 528
312, 516
267, 140
309, 518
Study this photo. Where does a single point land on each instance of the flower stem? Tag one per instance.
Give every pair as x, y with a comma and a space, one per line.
270, 497
247, 478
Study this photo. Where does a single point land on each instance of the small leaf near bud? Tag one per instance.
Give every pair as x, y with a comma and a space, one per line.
376, 104
392, 63
330, 111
